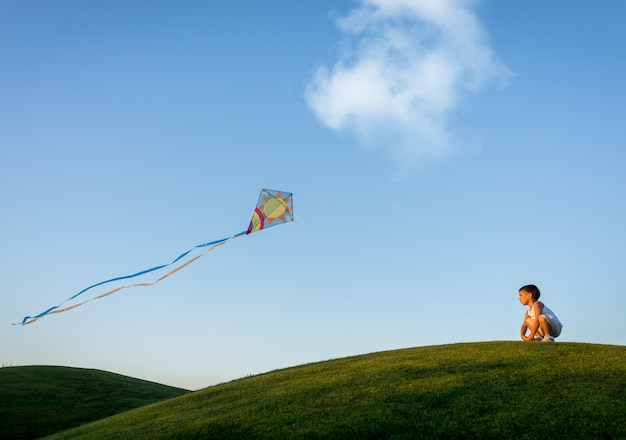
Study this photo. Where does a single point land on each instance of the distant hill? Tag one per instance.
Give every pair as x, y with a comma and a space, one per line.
40, 400
489, 390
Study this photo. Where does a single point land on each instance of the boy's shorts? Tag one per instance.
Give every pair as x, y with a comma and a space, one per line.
555, 326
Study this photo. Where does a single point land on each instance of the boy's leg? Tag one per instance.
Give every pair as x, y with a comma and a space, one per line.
546, 330
555, 327
539, 334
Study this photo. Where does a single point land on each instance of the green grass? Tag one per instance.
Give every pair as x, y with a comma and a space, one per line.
491, 390
40, 400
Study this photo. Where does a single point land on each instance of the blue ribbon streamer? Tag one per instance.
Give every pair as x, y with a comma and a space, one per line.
143, 272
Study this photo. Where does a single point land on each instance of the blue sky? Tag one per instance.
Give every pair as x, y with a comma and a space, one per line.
441, 155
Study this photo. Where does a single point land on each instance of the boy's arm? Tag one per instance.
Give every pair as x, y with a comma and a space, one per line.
524, 327
531, 331
538, 306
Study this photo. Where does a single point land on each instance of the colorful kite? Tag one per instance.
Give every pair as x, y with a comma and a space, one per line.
273, 208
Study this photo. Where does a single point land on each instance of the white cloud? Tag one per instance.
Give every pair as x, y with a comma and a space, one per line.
405, 67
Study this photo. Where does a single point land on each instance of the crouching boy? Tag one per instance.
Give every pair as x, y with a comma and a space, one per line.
540, 323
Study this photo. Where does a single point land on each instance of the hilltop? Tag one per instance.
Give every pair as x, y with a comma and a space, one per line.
490, 390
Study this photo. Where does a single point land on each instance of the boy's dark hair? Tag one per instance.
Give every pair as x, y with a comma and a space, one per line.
533, 290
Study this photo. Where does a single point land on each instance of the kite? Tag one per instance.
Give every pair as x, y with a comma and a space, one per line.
273, 208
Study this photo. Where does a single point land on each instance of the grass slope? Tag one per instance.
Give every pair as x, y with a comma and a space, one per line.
40, 400
490, 390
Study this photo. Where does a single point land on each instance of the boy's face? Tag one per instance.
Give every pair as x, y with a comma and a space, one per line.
524, 297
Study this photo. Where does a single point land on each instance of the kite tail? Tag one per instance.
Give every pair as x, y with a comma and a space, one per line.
57, 309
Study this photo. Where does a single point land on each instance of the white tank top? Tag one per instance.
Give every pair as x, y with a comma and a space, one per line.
549, 314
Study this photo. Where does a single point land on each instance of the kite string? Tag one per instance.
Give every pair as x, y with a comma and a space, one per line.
211, 245
299, 221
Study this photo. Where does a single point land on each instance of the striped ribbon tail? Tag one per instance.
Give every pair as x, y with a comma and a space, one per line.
60, 309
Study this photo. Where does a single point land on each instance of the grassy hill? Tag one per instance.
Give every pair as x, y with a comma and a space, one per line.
494, 390
39, 400
491, 390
